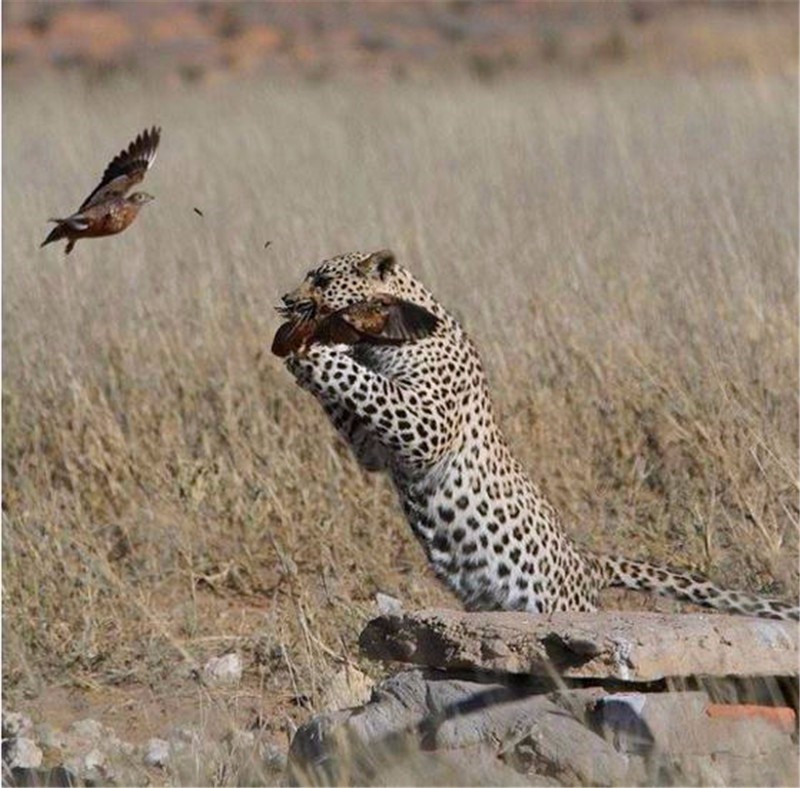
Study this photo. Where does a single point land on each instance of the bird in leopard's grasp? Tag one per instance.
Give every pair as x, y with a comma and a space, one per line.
380, 320
419, 409
107, 210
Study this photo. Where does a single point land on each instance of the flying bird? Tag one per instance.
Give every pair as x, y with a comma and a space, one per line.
107, 211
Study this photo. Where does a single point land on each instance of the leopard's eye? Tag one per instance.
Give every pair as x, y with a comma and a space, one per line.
320, 281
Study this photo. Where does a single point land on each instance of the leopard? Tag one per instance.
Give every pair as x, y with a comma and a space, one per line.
421, 412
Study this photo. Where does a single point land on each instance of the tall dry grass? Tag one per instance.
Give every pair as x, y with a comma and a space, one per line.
623, 250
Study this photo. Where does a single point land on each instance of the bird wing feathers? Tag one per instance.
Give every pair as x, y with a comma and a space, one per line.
127, 168
390, 319
381, 320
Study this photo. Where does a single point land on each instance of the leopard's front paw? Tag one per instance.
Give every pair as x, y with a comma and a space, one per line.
309, 365
296, 366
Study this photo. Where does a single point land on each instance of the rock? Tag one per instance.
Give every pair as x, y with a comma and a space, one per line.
388, 605
431, 727
273, 758
19, 749
87, 753
16, 724
348, 687
688, 723
631, 647
559, 745
95, 769
418, 710
223, 670
21, 752
473, 767
637, 723
49, 737
156, 753
56, 777
91, 751
94, 760
682, 733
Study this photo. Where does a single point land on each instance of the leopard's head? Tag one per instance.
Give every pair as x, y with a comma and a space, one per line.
350, 278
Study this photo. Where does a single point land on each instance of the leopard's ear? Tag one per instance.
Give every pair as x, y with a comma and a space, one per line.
378, 264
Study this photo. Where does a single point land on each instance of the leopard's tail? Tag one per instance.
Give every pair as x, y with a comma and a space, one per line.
642, 576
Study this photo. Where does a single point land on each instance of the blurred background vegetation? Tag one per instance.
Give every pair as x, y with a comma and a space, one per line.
213, 41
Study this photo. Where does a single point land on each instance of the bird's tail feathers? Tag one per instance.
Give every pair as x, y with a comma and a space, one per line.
75, 223
56, 234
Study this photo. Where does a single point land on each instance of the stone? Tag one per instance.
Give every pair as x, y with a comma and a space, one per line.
680, 737
94, 760
16, 724
22, 752
223, 670
557, 744
348, 687
53, 778
87, 753
424, 726
682, 733
273, 758
95, 769
428, 711
156, 753
471, 766
684, 723
49, 737
388, 605
626, 646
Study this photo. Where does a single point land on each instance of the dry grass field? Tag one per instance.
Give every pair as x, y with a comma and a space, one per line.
623, 250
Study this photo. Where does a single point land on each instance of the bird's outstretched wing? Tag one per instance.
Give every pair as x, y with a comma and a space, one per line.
126, 168
380, 320
384, 319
